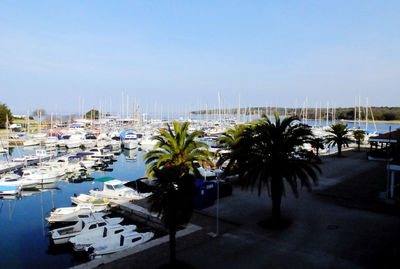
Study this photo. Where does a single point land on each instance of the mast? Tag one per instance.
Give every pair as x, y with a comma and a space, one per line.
327, 113
366, 114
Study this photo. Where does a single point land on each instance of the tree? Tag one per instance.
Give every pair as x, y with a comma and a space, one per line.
4, 112
228, 140
338, 136
269, 153
39, 112
317, 143
173, 162
173, 200
92, 114
359, 136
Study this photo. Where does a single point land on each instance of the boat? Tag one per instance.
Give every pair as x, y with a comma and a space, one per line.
95, 236
62, 235
129, 140
115, 189
51, 141
75, 141
16, 180
10, 190
117, 243
99, 203
90, 140
40, 176
71, 214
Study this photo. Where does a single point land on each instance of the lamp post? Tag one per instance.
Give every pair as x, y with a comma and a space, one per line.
218, 172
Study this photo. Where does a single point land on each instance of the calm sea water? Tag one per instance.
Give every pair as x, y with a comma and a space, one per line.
23, 235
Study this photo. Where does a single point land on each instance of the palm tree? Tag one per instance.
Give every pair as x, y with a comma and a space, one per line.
339, 136
176, 147
228, 140
172, 162
268, 153
173, 200
317, 143
359, 135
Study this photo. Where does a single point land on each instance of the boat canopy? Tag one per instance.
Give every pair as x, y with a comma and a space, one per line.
104, 179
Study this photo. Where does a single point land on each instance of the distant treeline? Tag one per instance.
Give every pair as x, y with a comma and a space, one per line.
378, 113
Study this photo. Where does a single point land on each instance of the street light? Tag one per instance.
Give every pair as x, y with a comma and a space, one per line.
218, 172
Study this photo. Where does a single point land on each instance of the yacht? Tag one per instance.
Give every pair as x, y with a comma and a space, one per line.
99, 235
72, 214
115, 189
118, 243
63, 235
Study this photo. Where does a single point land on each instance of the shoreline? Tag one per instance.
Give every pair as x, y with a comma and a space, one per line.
376, 121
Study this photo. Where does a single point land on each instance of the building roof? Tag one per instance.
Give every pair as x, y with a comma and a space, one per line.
392, 137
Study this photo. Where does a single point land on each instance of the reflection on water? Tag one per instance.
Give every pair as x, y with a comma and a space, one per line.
24, 230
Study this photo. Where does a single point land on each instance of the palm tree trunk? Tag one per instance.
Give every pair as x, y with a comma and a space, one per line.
358, 143
172, 244
276, 196
339, 150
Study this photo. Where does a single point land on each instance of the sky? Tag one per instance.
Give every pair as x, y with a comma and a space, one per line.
69, 56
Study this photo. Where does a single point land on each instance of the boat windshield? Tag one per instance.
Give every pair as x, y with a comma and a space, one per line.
119, 186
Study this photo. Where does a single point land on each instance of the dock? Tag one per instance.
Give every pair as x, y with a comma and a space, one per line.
138, 213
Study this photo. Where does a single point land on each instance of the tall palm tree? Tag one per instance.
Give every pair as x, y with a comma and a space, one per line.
338, 136
176, 147
173, 200
359, 136
269, 153
172, 163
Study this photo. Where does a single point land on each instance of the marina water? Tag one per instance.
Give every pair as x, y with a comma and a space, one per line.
24, 231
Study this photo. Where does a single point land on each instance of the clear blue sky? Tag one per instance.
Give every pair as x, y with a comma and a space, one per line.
179, 54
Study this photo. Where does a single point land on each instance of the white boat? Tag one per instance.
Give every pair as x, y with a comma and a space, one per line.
101, 153
114, 244
17, 180
115, 189
89, 141
99, 203
41, 176
10, 190
62, 235
29, 142
52, 168
51, 141
99, 235
130, 141
71, 214
75, 141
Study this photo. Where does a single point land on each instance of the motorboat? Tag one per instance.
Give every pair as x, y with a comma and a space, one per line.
41, 176
52, 168
71, 214
51, 141
40, 155
101, 153
29, 142
129, 140
99, 203
103, 141
115, 189
90, 140
10, 190
64, 234
118, 243
75, 141
16, 180
99, 235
